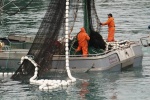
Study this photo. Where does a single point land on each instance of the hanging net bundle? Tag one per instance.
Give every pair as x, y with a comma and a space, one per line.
96, 40
50, 38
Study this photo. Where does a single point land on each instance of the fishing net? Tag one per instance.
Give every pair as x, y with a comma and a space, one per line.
45, 44
96, 40
49, 40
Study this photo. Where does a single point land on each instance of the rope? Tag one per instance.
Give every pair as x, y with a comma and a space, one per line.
19, 9
75, 16
47, 84
97, 18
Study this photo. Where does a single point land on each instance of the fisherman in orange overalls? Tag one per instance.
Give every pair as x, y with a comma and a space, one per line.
111, 28
83, 39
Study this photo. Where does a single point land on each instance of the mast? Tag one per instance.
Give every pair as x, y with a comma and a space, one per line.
86, 17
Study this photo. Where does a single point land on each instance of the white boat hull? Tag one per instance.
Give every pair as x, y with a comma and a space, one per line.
115, 60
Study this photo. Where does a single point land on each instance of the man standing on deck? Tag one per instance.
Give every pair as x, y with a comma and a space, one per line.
83, 39
111, 28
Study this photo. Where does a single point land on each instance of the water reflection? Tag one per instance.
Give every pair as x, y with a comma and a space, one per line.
84, 89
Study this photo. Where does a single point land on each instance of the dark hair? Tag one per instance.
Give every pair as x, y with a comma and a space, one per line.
110, 14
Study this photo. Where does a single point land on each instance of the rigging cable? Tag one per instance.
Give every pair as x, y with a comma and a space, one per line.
19, 9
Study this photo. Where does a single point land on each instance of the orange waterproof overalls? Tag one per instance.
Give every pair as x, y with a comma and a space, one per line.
111, 29
83, 38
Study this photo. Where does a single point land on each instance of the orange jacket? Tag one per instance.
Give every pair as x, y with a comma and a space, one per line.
111, 29
83, 42
83, 38
110, 22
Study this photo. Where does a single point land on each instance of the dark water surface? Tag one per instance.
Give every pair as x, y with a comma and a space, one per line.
132, 18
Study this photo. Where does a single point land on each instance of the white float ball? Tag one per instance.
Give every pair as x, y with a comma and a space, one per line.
50, 87
73, 80
45, 88
69, 81
1, 74
5, 73
36, 69
35, 73
40, 87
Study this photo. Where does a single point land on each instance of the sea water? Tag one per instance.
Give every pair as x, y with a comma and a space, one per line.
132, 18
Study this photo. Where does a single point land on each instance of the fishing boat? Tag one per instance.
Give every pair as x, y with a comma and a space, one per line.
145, 41
50, 45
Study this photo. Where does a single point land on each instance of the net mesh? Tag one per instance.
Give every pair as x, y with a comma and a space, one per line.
49, 40
96, 39
45, 44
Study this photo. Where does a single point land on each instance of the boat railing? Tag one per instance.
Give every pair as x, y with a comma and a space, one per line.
13, 47
6, 48
94, 55
115, 46
145, 41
